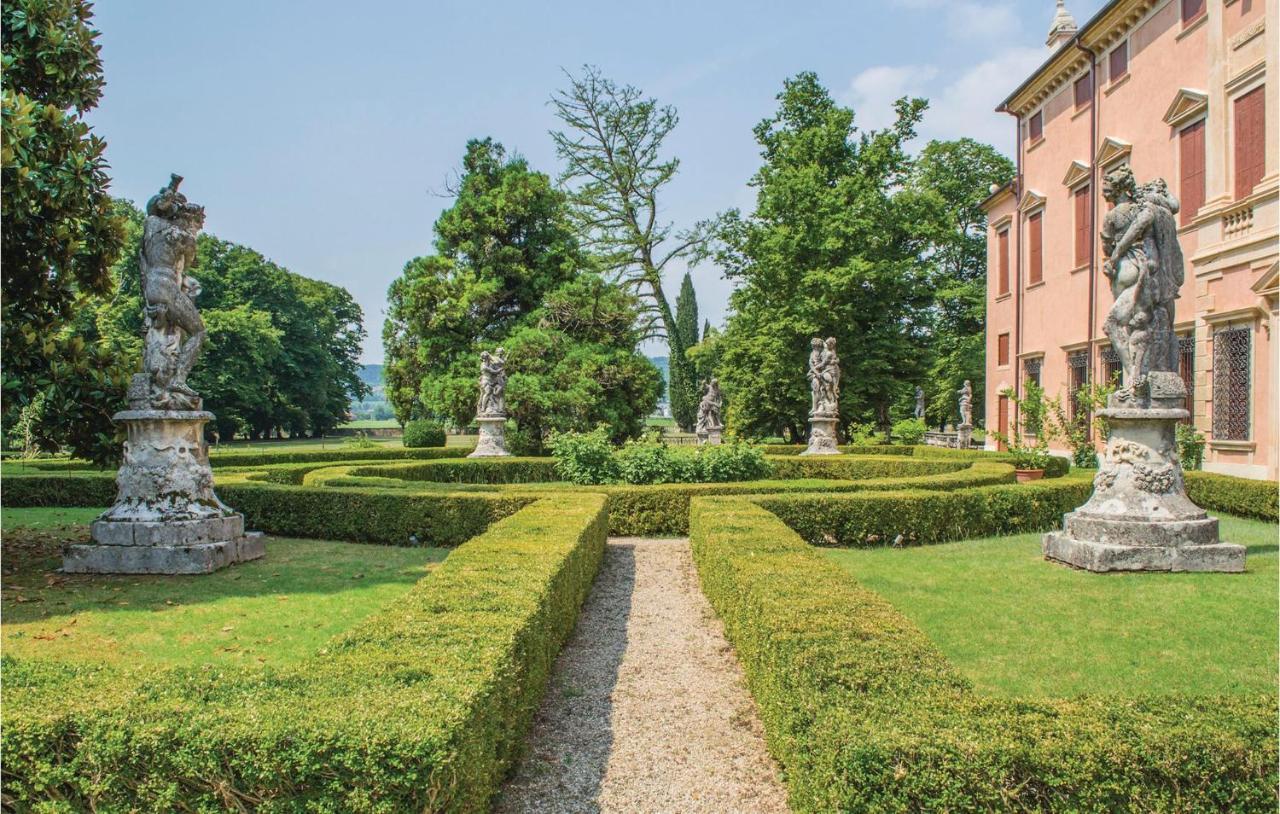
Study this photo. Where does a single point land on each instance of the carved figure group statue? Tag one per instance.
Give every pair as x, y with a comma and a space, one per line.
966, 404
493, 383
174, 331
919, 411
709, 410
824, 377
1145, 268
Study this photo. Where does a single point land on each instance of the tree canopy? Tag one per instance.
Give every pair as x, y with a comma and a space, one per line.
508, 270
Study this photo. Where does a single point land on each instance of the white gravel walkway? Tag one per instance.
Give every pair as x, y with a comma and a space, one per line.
646, 710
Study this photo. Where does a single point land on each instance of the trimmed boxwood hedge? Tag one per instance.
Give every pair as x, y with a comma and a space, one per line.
1239, 496
266, 456
864, 714
468, 470
422, 707
858, 467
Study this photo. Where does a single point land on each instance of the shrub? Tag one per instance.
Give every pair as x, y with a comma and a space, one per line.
909, 430
585, 457
422, 707
864, 714
1239, 496
859, 467
466, 470
423, 433
645, 462
734, 461
1190, 446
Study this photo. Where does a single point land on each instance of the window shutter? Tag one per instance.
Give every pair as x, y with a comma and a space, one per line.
1191, 9
1035, 129
1002, 349
1191, 187
1119, 61
1083, 234
1002, 260
1084, 90
1035, 256
1250, 146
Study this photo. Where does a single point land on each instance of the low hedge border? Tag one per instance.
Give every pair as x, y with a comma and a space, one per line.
1239, 496
468, 470
422, 707
858, 467
864, 714
264, 457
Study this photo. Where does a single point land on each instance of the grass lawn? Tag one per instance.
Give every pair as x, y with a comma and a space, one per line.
272, 611
1017, 625
371, 424
295, 444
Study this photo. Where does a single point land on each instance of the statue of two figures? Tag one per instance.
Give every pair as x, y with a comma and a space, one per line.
1139, 517
491, 406
824, 387
710, 424
173, 329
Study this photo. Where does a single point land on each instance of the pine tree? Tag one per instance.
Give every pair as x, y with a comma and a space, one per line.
684, 384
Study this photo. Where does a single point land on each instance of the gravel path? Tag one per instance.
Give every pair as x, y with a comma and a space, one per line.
646, 710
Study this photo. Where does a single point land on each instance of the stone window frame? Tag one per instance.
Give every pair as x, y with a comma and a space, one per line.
1248, 318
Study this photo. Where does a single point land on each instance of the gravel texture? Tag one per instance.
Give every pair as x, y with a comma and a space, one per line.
646, 710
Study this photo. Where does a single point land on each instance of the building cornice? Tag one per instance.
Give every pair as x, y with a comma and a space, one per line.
1077, 174
997, 197
1031, 201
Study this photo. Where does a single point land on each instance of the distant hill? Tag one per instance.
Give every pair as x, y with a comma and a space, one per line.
371, 375
662, 364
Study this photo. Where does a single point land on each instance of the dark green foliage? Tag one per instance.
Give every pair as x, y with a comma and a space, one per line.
70, 489
864, 714
468, 470
858, 467
1239, 496
423, 433
508, 272
420, 708
60, 234
585, 457
685, 385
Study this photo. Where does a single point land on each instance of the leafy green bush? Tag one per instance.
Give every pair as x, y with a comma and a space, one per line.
1190, 446
1239, 496
734, 461
584, 457
645, 462
422, 707
864, 714
423, 433
909, 431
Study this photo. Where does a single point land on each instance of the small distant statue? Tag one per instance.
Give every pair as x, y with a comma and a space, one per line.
493, 383
173, 329
824, 377
709, 409
919, 412
1144, 265
966, 404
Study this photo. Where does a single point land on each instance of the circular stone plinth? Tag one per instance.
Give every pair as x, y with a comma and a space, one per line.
163, 415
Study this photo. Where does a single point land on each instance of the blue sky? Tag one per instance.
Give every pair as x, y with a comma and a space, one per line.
323, 133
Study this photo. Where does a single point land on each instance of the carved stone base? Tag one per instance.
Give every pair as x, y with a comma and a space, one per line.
166, 518
1139, 517
711, 436
822, 435
964, 436
493, 439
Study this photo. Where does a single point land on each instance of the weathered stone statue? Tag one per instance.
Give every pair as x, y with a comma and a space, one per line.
710, 426
1145, 268
964, 430
491, 406
1139, 517
919, 411
824, 386
166, 518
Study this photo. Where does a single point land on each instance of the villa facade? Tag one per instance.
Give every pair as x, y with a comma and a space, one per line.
1184, 90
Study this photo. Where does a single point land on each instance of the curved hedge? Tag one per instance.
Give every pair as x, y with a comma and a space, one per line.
864, 714
422, 707
1245, 498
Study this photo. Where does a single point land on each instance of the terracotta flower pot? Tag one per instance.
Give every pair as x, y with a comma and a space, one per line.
1025, 475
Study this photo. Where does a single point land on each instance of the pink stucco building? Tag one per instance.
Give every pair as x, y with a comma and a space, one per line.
1184, 90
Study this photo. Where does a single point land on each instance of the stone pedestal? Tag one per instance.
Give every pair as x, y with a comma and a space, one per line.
822, 434
1139, 517
166, 518
964, 436
493, 439
711, 436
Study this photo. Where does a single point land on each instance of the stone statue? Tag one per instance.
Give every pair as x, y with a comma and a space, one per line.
824, 387
493, 384
919, 411
166, 518
1139, 517
710, 424
966, 404
174, 331
491, 406
1144, 265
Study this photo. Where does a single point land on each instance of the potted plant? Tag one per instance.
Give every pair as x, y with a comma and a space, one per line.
1029, 462
1029, 459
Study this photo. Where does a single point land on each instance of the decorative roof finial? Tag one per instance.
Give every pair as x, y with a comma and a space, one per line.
1062, 28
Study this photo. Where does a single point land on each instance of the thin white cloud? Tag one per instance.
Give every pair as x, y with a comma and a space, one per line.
995, 20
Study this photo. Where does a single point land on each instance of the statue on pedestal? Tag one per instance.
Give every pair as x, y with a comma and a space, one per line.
919, 411
824, 387
709, 424
491, 406
166, 518
1139, 517
966, 403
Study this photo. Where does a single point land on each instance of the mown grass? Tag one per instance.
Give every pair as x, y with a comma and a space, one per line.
1019, 626
272, 611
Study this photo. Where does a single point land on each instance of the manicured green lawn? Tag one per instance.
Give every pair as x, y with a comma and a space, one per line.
272, 611
1017, 625
371, 424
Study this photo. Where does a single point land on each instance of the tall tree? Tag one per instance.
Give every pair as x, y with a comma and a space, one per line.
59, 231
833, 248
958, 175
508, 270
615, 170
684, 395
